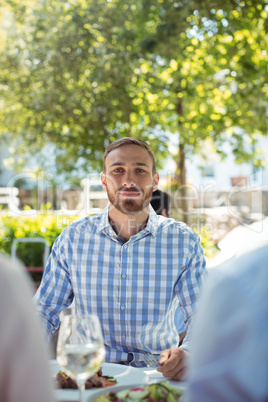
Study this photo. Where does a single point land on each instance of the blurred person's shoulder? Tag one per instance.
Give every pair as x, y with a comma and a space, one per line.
15, 283
247, 270
245, 262
10, 269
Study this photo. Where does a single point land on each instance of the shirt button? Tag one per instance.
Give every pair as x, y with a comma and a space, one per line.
122, 307
125, 246
123, 336
124, 276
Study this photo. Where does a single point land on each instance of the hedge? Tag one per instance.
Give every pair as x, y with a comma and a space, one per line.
48, 225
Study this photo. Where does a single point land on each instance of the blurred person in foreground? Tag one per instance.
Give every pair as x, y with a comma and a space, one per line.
229, 349
24, 371
129, 266
161, 203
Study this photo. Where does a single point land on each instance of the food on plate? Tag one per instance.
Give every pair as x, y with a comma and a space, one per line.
96, 381
155, 392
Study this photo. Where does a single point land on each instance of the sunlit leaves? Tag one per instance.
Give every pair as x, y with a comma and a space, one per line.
77, 73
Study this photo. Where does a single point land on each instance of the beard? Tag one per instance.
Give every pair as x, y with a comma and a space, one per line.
129, 206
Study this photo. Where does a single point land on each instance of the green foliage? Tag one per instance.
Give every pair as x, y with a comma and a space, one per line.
49, 226
207, 242
206, 239
69, 68
80, 74
212, 71
46, 225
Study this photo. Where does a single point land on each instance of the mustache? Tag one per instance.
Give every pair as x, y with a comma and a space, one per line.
130, 189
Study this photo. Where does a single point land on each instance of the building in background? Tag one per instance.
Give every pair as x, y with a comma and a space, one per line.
213, 171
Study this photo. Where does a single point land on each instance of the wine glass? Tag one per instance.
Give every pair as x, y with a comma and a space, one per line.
80, 349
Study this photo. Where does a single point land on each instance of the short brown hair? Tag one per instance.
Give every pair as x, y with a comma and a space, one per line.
127, 141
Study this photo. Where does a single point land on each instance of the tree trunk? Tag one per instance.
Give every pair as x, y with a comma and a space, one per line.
182, 171
183, 188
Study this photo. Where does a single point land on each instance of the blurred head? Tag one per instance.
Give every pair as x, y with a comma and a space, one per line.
161, 202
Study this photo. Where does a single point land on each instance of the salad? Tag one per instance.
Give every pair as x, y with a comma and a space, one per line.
161, 392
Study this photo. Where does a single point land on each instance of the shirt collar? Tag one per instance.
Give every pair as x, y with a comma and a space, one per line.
104, 219
152, 224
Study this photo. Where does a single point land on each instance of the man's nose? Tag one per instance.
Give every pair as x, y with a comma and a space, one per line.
128, 180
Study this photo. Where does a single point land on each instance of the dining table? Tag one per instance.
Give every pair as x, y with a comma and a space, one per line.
125, 376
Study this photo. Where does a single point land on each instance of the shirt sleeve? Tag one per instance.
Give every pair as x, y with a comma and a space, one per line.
55, 291
190, 281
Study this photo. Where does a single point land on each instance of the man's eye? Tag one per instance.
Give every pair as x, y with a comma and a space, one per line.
140, 170
118, 170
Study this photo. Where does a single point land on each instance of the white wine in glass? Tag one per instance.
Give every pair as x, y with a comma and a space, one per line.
80, 350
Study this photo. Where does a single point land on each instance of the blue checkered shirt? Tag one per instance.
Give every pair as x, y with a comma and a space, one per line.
136, 288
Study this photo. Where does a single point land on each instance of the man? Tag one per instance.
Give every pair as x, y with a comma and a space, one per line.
126, 265
229, 352
24, 371
161, 202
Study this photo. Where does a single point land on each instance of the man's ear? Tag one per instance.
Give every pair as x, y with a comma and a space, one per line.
156, 181
103, 180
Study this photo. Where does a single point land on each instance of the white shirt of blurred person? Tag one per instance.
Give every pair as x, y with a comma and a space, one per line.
24, 371
229, 354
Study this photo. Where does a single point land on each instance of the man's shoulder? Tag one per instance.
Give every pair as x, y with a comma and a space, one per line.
170, 225
82, 225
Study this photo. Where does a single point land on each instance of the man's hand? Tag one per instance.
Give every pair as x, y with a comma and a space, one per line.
173, 363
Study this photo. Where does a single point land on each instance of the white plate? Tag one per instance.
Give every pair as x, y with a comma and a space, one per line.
105, 391
126, 376
178, 385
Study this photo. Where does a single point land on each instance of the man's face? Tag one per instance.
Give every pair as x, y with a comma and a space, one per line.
128, 178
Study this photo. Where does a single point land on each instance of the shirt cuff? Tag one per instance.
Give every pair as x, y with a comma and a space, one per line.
186, 341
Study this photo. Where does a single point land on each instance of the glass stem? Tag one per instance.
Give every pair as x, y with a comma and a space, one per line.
81, 389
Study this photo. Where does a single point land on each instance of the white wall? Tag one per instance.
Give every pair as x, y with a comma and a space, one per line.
224, 170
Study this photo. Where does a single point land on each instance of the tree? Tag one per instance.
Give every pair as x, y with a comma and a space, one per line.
80, 73
212, 72
69, 70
